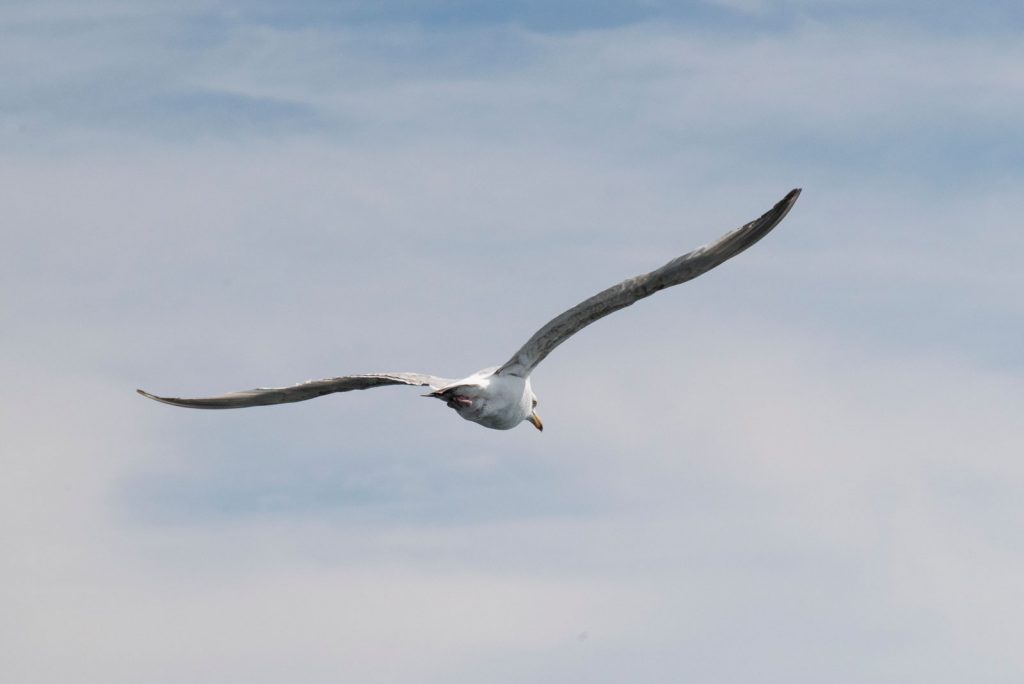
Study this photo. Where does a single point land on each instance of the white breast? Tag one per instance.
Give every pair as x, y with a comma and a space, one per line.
500, 402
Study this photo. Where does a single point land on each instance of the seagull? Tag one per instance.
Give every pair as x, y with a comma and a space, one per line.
501, 397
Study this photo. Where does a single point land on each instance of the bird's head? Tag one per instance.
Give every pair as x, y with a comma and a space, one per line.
533, 417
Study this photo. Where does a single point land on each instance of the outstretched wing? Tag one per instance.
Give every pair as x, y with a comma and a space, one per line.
677, 271
265, 396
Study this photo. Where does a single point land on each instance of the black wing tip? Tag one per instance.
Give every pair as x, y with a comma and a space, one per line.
162, 400
782, 207
184, 403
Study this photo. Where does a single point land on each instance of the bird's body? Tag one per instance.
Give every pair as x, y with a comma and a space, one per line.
500, 402
501, 397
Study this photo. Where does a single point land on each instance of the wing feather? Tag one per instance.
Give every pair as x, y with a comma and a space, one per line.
629, 291
265, 396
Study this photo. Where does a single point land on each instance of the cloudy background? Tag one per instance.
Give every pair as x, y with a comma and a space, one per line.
804, 467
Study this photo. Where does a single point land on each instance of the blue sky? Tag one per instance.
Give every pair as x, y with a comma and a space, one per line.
802, 467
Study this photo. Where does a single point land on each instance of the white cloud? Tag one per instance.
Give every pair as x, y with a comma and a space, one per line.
807, 459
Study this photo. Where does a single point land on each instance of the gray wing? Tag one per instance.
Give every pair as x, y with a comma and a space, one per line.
677, 271
265, 396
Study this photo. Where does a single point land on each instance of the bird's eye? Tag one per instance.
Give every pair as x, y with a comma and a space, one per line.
534, 403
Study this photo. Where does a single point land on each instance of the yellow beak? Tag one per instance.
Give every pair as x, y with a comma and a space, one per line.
535, 419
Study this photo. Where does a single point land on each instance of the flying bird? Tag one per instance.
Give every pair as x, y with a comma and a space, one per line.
501, 397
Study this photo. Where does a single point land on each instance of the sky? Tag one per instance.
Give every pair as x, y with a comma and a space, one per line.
804, 466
